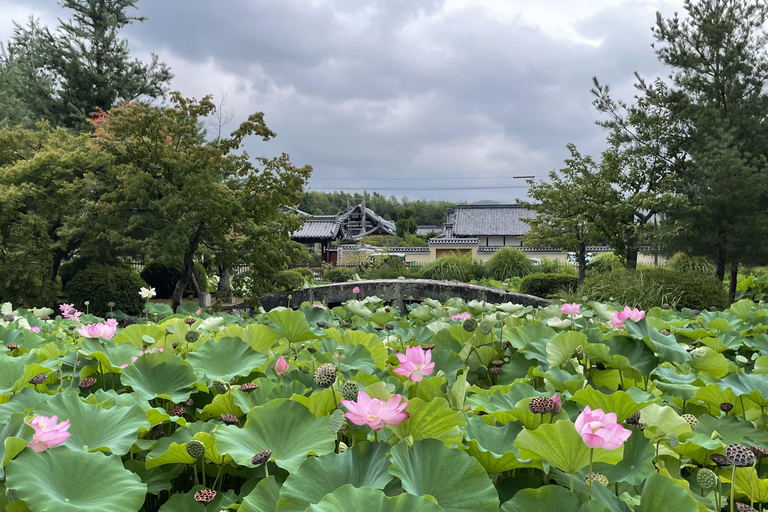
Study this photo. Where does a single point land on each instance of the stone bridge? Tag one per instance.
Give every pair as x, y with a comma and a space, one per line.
397, 292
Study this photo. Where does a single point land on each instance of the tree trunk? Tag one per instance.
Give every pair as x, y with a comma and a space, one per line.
631, 258
224, 289
720, 273
195, 286
732, 284
582, 262
189, 267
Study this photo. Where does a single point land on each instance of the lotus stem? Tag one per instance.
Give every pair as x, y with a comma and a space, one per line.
733, 489
74, 369
202, 468
743, 410
194, 470
417, 390
218, 475
591, 454
333, 392
266, 469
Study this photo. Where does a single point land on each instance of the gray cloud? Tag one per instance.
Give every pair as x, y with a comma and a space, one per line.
395, 89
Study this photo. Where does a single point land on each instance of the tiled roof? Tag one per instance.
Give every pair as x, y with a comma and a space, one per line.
490, 220
453, 241
318, 227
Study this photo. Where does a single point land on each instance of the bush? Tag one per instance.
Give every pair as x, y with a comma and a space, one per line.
69, 269
450, 268
306, 273
101, 284
604, 263
163, 278
339, 275
507, 263
555, 266
655, 286
478, 270
548, 285
390, 268
695, 264
289, 280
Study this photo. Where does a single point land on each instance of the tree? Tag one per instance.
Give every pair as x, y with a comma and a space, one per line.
84, 66
406, 223
565, 207
175, 193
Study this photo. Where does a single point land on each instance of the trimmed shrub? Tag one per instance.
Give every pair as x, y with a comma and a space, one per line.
555, 266
339, 275
70, 269
391, 268
604, 263
289, 280
507, 263
306, 272
102, 284
654, 286
163, 278
548, 285
450, 268
694, 264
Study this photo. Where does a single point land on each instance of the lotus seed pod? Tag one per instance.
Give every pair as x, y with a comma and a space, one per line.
205, 496
38, 379
695, 312
482, 371
178, 410
672, 440
229, 419
195, 448
389, 327
743, 507
541, 405
87, 382
158, 432
12, 346
634, 419
128, 321
597, 478
691, 420
8, 318
726, 407
342, 447
759, 451
739, 455
189, 320
192, 336
707, 479
470, 324
600, 366
495, 370
325, 375
505, 345
336, 421
378, 327
720, 459
579, 352
320, 324
497, 362
485, 327
428, 346
261, 458
248, 387
350, 390
188, 402
220, 386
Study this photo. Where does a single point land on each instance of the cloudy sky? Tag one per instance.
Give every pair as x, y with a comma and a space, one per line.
403, 96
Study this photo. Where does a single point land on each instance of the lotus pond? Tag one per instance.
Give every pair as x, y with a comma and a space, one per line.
456, 406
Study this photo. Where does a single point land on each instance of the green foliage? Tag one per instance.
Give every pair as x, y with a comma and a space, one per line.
101, 284
339, 275
406, 240
450, 268
555, 266
654, 286
694, 264
70, 269
385, 267
163, 278
406, 222
507, 263
307, 273
289, 280
548, 285
604, 263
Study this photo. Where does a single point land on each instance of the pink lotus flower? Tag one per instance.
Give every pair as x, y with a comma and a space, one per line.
374, 412
281, 366
318, 306
415, 364
134, 358
461, 316
197, 312
356, 289
104, 330
633, 314
558, 404
600, 430
572, 310
48, 433
68, 311
34, 329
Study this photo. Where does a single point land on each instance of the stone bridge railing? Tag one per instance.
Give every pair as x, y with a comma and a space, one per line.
397, 292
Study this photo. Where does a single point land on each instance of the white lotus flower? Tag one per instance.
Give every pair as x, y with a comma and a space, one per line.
147, 293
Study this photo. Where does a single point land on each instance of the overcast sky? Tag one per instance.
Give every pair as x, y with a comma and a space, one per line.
399, 95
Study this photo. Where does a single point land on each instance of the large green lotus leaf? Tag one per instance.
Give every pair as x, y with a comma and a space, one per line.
448, 362
457, 481
363, 465
731, 430
561, 446
666, 346
225, 359
291, 325
561, 347
758, 343
713, 395
444, 340
501, 401
627, 354
321, 403
530, 420
160, 375
421, 312
741, 309
431, 420
669, 374
724, 341
156, 479
24, 400
15, 373
222, 404
173, 449
178, 329
747, 483
761, 365
490, 445
260, 337
661, 493
287, 428
186, 502
356, 358
623, 403
532, 339
267, 390
371, 342
699, 447
263, 498
93, 428
111, 356
543, 499
755, 387
24, 338
353, 499
14, 437
663, 420
133, 333
707, 360
636, 464
58, 480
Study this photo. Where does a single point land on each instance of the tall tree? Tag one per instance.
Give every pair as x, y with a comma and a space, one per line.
64, 76
174, 192
565, 207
